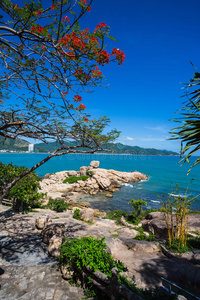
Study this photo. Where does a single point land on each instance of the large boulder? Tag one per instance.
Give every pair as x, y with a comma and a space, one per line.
72, 173
87, 214
126, 232
156, 224
140, 246
52, 230
43, 221
103, 182
63, 187
94, 164
54, 244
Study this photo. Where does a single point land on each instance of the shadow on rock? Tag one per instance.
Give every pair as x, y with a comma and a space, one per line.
176, 270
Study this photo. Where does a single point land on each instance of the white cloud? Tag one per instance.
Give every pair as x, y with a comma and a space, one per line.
157, 128
145, 139
128, 138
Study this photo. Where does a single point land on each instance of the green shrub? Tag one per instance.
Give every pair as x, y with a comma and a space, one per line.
90, 173
142, 237
73, 179
88, 251
25, 190
177, 247
115, 215
58, 205
76, 214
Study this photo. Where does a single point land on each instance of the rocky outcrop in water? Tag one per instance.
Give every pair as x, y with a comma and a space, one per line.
99, 180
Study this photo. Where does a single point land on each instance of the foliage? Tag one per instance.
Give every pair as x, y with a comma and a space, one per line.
46, 61
90, 173
142, 237
88, 251
58, 205
115, 215
176, 209
137, 205
188, 130
73, 179
130, 218
177, 247
76, 214
26, 190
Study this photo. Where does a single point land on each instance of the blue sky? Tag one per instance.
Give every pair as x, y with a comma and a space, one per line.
159, 38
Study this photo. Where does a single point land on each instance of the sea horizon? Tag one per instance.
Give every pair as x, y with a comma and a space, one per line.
164, 172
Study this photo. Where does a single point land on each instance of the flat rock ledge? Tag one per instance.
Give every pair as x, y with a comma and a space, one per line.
99, 180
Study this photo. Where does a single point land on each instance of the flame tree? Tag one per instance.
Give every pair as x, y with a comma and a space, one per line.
46, 61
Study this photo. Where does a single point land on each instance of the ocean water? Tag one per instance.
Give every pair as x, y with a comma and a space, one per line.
164, 174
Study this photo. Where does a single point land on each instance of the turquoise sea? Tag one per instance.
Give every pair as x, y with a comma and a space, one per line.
164, 173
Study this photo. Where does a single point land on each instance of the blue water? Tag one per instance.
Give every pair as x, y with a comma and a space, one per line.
164, 173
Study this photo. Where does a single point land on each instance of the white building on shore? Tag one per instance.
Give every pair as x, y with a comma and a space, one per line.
30, 147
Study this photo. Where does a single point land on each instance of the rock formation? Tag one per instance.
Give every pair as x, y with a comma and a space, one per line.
99, 180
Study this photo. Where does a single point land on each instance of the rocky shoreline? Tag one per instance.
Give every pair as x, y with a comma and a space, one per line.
99, 180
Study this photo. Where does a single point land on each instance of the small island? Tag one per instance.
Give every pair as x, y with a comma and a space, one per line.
88, 180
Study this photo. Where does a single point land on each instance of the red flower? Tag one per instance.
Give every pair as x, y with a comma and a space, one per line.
84, 2
39, 12
99, 26
38, 29
96, 72
82, 106
85, 119
77, 98
120, 56
103, 57
66, 18
64, 93
53, 6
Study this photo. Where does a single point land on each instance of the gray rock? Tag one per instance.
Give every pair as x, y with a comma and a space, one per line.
94, 164
87, 214
126, 232
51, 230
140, 246
72, 173
41, 222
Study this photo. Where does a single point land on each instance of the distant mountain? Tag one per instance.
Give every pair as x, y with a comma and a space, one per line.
13, 145
135, 150
118, 148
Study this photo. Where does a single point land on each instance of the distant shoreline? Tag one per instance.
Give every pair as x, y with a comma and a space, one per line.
95, 153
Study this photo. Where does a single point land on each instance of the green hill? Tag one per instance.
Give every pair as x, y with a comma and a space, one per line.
118, 148
135, 150
13, 145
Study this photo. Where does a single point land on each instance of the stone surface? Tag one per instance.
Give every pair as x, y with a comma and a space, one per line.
87, 214
52, 230
41, 222
102, 179
126, 232
54, 244
155, 223
109, 195
26, 270
94, 164
23, 254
